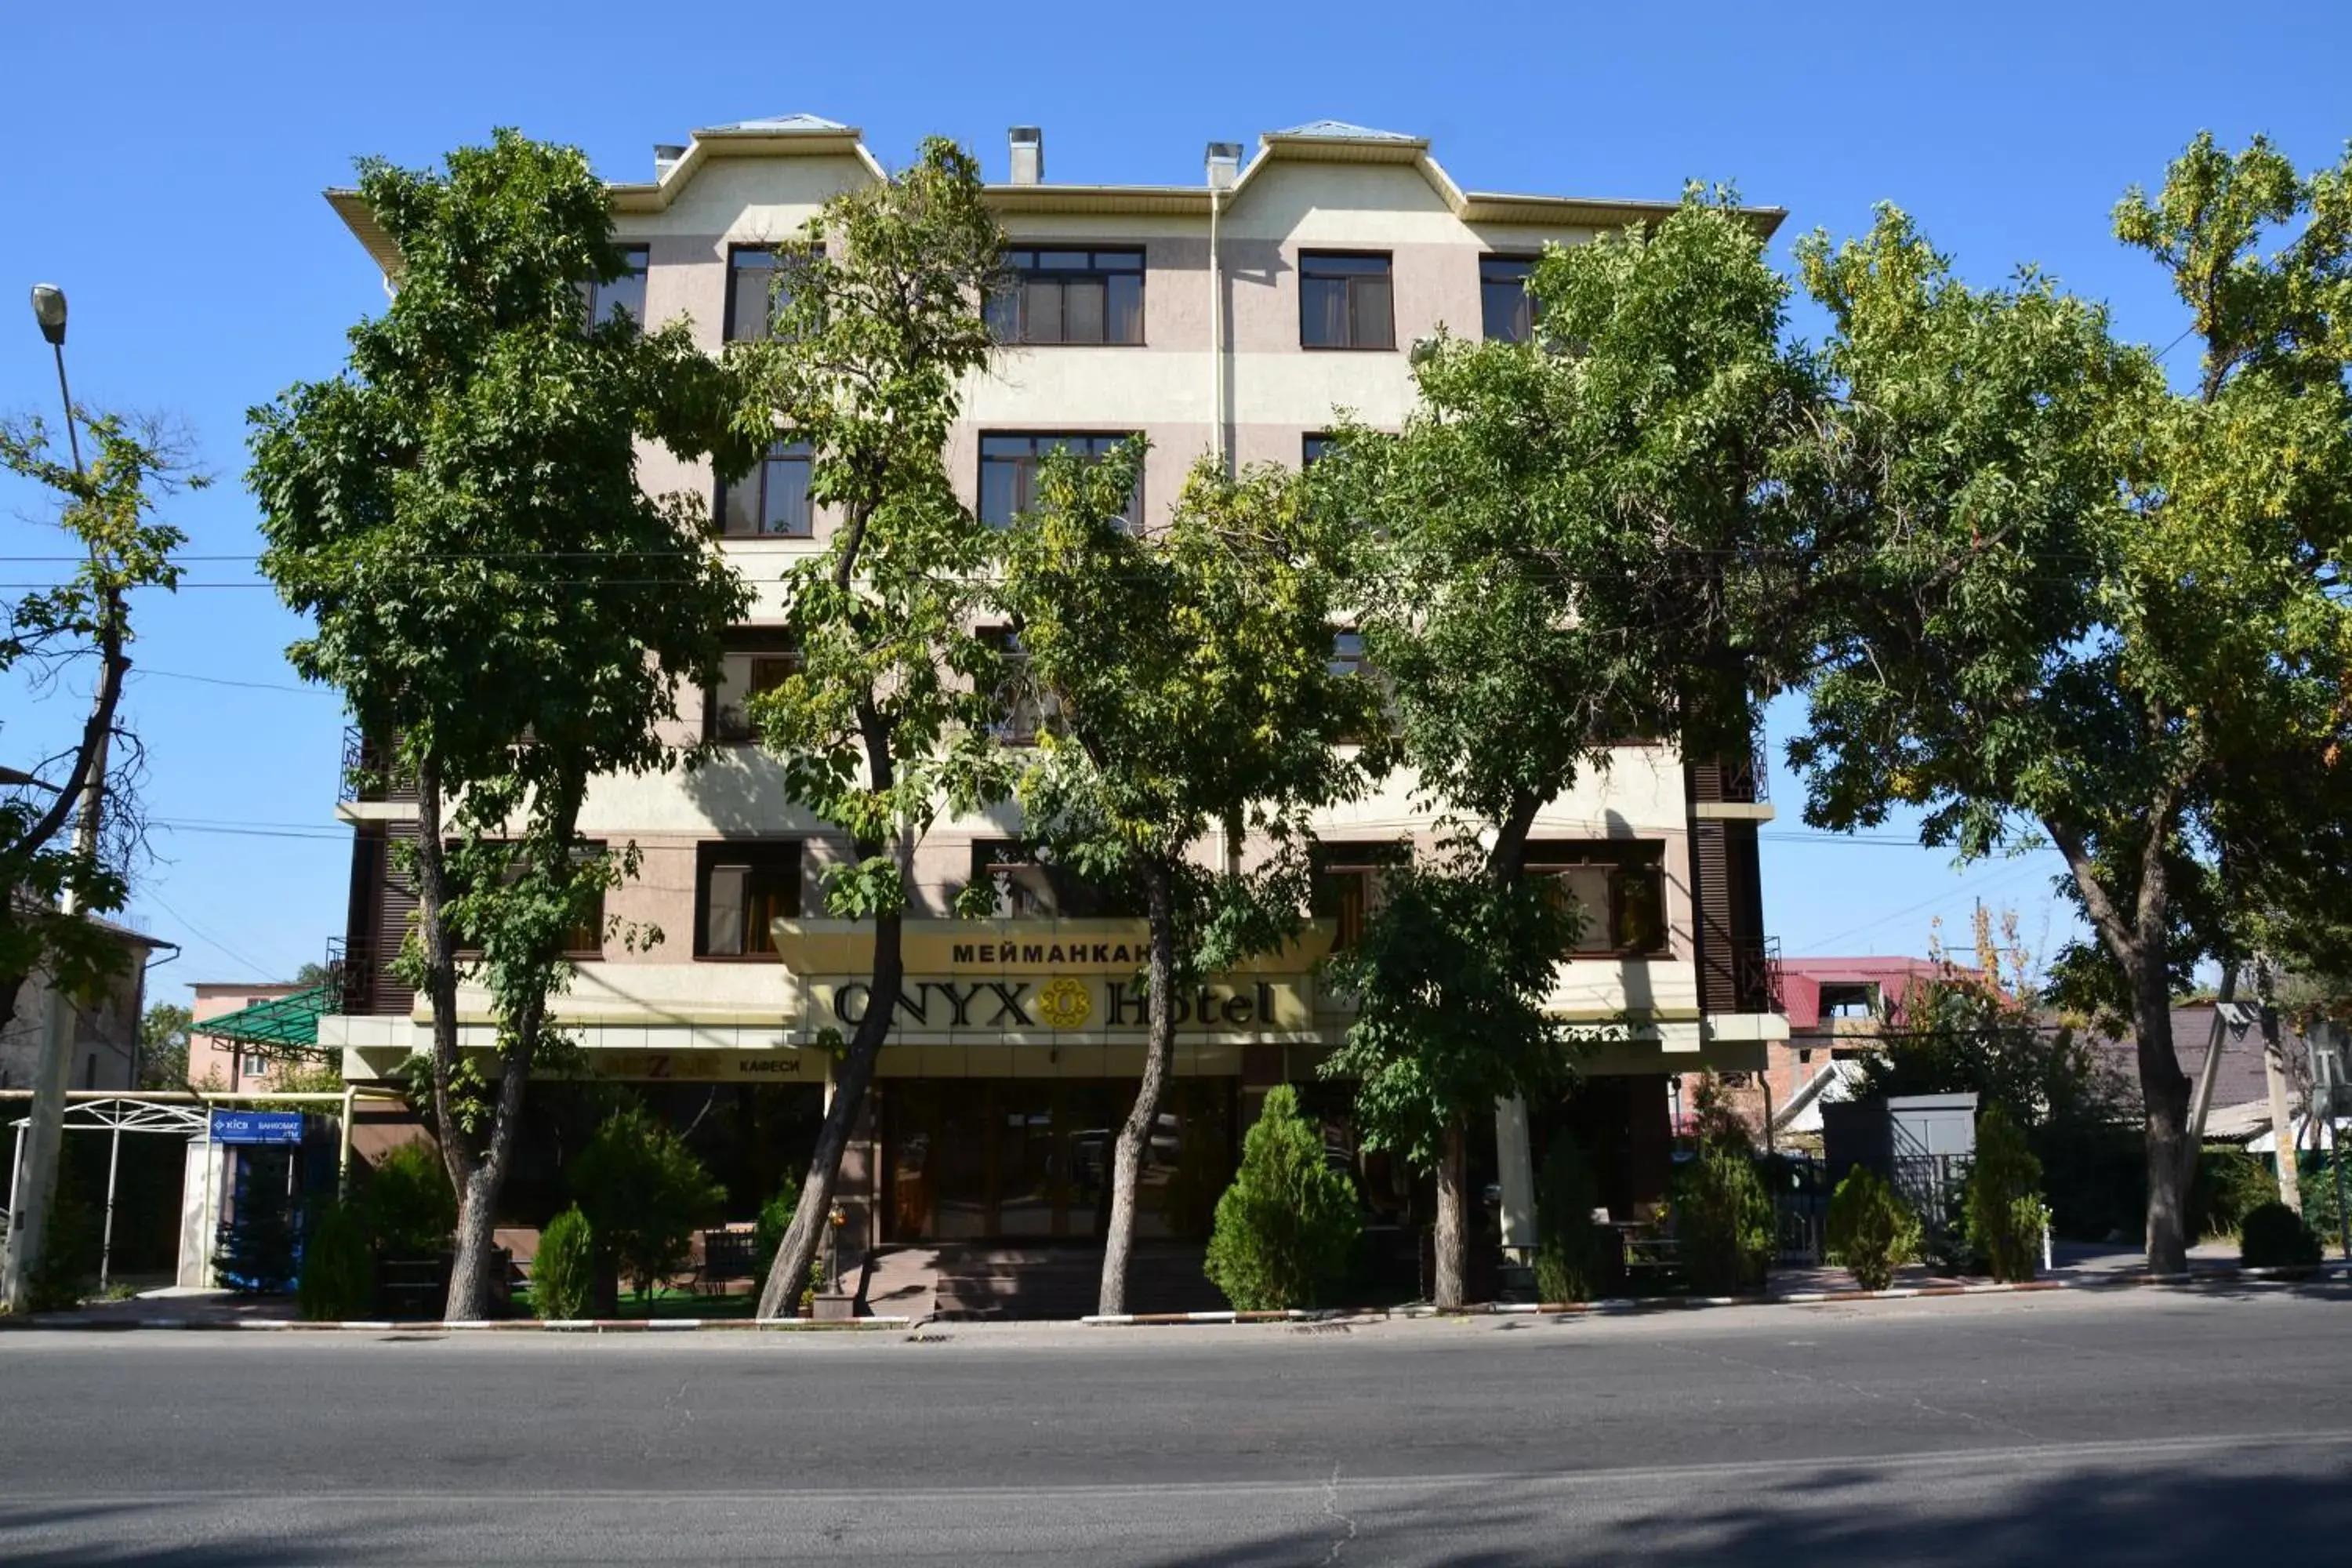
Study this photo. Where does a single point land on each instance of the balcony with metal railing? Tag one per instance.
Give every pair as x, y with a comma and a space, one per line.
371, 771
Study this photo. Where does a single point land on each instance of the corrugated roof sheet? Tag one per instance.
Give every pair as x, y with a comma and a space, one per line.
1340, 130
782, 123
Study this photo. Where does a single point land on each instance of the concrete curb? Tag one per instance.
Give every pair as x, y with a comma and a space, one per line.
497, 1326
2336, 1273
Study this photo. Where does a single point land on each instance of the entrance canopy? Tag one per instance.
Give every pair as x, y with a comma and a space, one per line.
291, 1021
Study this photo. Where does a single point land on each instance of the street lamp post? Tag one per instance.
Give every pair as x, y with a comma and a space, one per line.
34, 1180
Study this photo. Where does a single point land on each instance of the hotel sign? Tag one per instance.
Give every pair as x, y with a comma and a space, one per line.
1066, 1004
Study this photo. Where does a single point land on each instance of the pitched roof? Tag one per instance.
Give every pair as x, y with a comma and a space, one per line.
779, 122
1340, 130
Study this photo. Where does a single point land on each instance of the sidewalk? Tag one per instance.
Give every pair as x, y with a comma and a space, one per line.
2075, 1266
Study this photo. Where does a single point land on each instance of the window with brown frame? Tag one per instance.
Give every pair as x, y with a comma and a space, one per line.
771, 501
1022, 709
752, 301
585, 940
627, 292
1619, 887
1069, 295
1346, 886
1008, 474
1028, 885
758, 660
1509, 310
741, 888
1346, 300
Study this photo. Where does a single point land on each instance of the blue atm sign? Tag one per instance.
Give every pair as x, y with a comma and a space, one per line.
257, 1127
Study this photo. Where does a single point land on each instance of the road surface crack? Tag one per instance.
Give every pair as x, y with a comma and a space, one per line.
1332, 1511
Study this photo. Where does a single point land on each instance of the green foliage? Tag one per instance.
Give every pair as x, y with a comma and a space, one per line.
407, 1204
495, 593
1871, 1230
2230, 1184
164, 1047
338, 1278
878, 320
1723, 1220
2273, 1236
1450, 978
2065, 602
106, 513
1568, 1244
1956, 1035
2006, 1217
66, 1269
643, 1192
1288, 1228
564, 1274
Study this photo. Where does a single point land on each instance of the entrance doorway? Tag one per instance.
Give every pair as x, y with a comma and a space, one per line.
1029, 1159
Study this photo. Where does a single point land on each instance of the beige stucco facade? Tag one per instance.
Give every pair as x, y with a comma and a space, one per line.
1221, 365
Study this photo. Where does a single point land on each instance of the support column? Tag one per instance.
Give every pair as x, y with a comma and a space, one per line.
1515, 1164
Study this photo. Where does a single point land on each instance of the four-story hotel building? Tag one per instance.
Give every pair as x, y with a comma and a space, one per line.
1234, 317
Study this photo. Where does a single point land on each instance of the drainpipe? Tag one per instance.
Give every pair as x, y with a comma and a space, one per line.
1224, 162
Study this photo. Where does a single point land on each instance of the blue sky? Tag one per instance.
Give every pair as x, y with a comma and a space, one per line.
166, 161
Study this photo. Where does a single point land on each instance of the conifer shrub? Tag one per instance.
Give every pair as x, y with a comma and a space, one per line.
1871, 1230
337, 1275
2273, 1235
563, 1275
2006, 1215
408, 1206
644, 1193
1723, 1229
1286, 1229
1567, 1246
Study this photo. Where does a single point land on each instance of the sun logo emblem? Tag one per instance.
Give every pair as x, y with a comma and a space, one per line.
1064, 1004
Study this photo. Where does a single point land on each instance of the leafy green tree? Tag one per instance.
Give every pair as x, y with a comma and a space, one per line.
1287, 1227
460, 512
50, 882
1450, 978
2066, 602
1585, 536
407, 1203
1184, 673
885, 723
163, 1045
643, 1192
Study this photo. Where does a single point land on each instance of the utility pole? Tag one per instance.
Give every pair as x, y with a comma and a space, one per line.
2283, 1139
35, 1179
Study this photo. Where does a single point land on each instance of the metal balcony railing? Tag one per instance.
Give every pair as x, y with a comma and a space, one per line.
1757, 974
370, 772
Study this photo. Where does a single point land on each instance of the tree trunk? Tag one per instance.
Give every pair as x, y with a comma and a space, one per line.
1158, 1062
1452, 1249
2283, 1139
2164, 1091
440, 972
476, 1287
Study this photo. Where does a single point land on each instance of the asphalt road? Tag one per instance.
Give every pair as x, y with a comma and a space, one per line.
2142, 1427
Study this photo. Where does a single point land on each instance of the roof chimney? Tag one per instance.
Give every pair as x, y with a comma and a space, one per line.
1028, 155
1224, 164
665, 157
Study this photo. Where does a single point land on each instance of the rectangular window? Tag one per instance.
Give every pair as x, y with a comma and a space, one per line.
1509, 308
1029, 886
1345, 301
1021, 708
627, 292
1312, 450
1620, 888
752, 301
1008, 474
740, 889
772, 500
1347, 653
1346, 885
758, 660
585, 939
1069, 296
